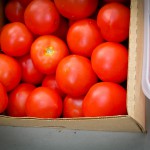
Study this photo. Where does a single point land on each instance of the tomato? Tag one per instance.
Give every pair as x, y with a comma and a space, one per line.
42, 17
10, 72
29, 73
16, 39
44, 103
72, 107
76, 9
113, 19
75, 75
50, 82
110, 62
105, 99
3, 98
14, 11
46, 52
83, 36
62, 30
17, 100
25, 2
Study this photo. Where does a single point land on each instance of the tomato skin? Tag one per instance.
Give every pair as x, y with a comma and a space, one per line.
42, 17
18, 98
62, 30
16, 39
14, 11
113, 20
75, 75
83, 36
46, 53
72, 107
10, 72
105, 99
29, 72
3, 98
44, 103
25, 2
110, 62
76, 9
50, 82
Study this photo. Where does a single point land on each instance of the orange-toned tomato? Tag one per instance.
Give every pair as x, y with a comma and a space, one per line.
46, 53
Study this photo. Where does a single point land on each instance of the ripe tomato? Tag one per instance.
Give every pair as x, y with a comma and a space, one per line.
25, 2
113, 20
50, 82
75, 75
29, 73
105, 99
44, 103
46, 52
62, 30
14, 11
110, 62
72, 107
17, 99
10, 72
3, 98
16, 39
42, 17
76, 9
83, 36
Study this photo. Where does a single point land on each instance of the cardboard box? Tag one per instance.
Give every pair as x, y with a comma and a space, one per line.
135, 120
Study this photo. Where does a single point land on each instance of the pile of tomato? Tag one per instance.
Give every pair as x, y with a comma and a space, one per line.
64, 58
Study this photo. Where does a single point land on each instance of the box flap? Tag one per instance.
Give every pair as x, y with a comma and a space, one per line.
116, 123
135, 96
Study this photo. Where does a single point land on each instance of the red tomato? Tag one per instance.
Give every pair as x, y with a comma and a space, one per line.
50, 82
76, 9
25, 2
16, 39
44, 103
42, 17
113, 20
62, 30
29, 73
75, 75
83, 36
17, 99
46, 52
105, 99
14, 11
110, 62
3, 98
10, 72
72, 107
